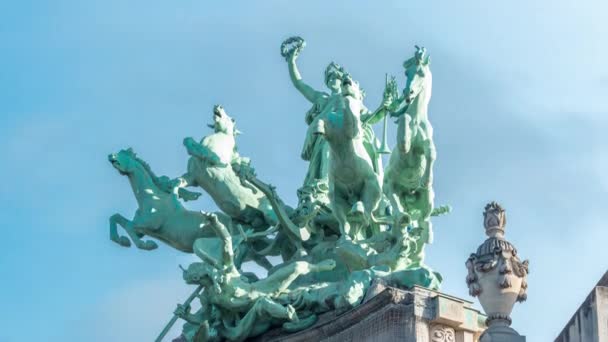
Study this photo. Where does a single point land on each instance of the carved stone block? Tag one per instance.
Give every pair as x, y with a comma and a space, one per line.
448, 310
389, 314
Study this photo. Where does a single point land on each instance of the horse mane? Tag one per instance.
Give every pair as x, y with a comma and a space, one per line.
155, 179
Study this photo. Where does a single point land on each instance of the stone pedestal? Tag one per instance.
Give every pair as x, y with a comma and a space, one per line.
497, 277
388, 314
501, 333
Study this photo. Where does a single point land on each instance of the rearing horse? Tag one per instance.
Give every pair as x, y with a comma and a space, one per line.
160, 214
212, 167
409, 175
354, 187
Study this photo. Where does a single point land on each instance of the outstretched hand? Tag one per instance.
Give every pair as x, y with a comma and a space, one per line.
243, 168
182, 311
211, 217
293, 55
391, 95
291, 47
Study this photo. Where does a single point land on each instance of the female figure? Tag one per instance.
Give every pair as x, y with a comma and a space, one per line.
315, 149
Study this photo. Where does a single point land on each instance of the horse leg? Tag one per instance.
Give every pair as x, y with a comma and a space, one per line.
425, 205
404, 134
372, 194
345, 227
400, 216
416, 255
430, 154
115, 220
340, 207
134, 230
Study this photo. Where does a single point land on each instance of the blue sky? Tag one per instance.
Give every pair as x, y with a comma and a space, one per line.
519, 109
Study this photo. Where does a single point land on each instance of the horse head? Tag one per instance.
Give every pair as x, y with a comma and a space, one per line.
222, 122
124, 161
129, 164
418, 73
351, 88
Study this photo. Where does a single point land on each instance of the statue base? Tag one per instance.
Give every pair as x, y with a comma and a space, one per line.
501, 332
388, 314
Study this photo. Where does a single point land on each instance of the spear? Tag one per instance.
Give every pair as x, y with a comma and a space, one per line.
174, 318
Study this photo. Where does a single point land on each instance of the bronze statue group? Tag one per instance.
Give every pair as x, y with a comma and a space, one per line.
354, 222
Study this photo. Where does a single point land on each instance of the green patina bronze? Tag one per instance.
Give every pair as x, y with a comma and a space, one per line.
353, 222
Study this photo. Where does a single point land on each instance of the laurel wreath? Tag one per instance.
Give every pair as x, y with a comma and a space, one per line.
292, 44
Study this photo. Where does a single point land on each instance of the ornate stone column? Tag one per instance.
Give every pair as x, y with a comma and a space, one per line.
497, 277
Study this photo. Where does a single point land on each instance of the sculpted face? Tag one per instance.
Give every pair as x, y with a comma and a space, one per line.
333, 77
334, 82
122, 161
221, 121
197, 273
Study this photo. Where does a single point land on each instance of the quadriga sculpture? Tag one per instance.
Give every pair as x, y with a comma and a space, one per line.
408, 179
354, 187
212, 168
342, 223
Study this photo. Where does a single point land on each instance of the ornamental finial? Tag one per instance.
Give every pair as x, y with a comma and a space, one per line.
494, 220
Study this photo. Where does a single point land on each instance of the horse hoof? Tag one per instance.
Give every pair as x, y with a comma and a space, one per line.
124, 241
149, 245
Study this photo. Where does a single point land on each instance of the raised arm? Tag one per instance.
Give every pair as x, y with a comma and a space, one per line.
309, 93
222, 232
374, 117
390, 100
399, 107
